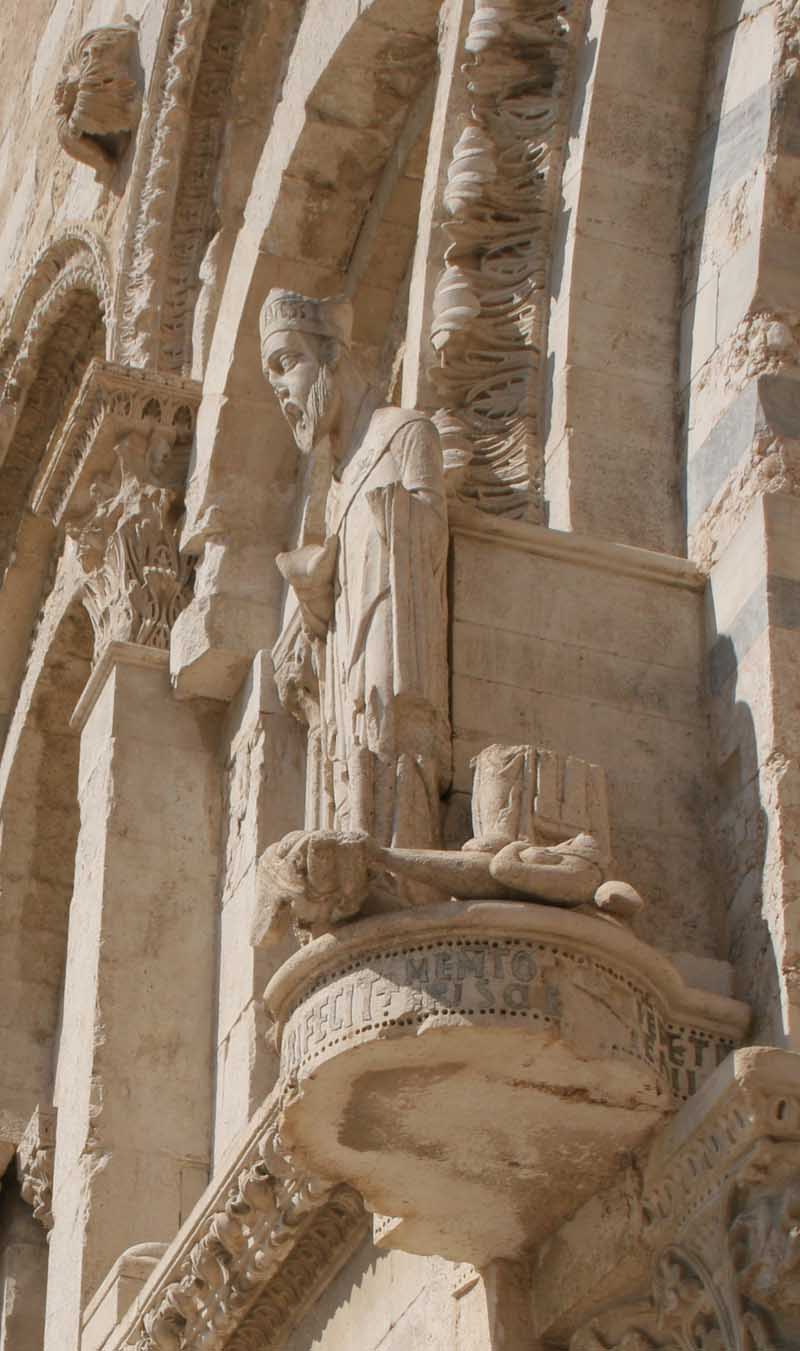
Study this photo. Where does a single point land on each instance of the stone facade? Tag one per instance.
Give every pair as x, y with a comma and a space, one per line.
399, 750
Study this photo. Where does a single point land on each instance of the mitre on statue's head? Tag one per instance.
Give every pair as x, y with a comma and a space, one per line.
331, 317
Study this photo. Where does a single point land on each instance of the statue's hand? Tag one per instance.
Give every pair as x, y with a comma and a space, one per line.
310, 571
310, 568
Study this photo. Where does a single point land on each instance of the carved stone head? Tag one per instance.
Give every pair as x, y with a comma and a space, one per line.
97, 101
301, 342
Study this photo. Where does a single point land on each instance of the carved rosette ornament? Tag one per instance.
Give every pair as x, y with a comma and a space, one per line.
35, 1158
97, 101
489, 308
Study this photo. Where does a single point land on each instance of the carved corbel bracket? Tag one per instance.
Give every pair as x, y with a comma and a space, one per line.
97, 102
114, 478
35, 1158
722, 1219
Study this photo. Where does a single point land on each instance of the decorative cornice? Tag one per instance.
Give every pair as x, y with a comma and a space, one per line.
722, 1218
112, 401
35, 1157
490, 305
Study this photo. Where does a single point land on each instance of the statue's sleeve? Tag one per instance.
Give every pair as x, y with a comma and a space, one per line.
418, 559
418, 452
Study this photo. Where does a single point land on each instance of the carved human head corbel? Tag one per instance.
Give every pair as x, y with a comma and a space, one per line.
97, 100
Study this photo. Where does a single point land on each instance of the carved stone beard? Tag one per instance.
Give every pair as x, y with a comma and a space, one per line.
316, 417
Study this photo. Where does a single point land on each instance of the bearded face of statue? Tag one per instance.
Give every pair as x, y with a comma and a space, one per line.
301, 373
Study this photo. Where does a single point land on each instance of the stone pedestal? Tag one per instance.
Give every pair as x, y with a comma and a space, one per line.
477, 1070
133, 1084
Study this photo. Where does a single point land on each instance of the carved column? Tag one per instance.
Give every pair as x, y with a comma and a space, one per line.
134, 1099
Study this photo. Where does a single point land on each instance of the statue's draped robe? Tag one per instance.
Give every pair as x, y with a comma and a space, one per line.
383, 674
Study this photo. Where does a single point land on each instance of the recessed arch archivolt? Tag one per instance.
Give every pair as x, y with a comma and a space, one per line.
56, 326
75, 243
39, 803
69, 278
348, 98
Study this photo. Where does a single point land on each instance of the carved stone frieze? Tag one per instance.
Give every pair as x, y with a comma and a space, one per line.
97, 100
490, 303
195, 215
256, 1259
35, 1158
161, 145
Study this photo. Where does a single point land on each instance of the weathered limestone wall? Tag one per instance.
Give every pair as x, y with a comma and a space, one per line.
308, 155
397, 1301
739, 356
134, 1094
598, 651
740, 397
612, 434
265, 770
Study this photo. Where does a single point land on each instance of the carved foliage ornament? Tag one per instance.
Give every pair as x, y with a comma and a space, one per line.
275, 1219
97, 101
137, 583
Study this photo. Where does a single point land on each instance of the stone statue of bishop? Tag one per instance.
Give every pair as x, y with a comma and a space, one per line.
369, 577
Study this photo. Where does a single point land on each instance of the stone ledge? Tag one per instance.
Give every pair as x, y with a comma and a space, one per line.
115, 653
626, 560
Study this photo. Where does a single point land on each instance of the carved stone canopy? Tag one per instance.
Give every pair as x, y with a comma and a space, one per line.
97, 100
